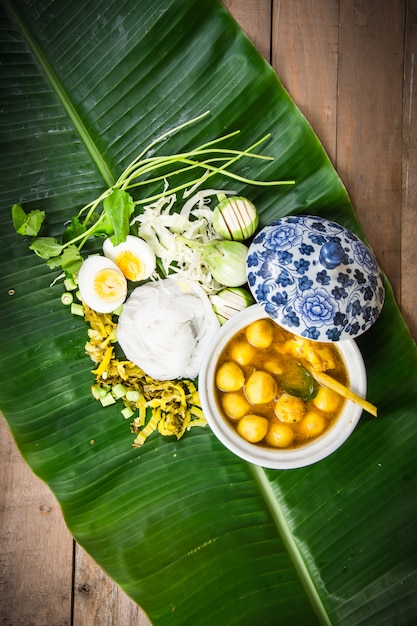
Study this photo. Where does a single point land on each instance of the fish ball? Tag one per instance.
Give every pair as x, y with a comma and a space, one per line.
279, 435
260, 333
312, 425
242, 352
328, 361
261, 387
235, 405
274, 366
289, 408
230, 377
253, 428
327, 400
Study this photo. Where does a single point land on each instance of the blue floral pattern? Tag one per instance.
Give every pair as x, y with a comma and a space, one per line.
295, 287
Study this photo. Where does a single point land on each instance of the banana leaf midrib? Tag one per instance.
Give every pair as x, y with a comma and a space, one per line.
284, 531
63, 96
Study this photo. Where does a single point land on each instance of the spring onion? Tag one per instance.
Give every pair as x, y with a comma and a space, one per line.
110, 213
70, 284
132, 396
77, 309
67, 298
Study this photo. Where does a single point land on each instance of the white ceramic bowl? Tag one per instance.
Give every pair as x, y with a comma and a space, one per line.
306, 454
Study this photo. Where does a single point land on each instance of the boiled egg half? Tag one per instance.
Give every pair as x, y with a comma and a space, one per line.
101, 284
134, 257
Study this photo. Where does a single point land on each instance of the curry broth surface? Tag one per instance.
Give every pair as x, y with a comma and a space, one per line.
280, 353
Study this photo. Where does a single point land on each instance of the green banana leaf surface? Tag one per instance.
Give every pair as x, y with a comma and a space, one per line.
193, 534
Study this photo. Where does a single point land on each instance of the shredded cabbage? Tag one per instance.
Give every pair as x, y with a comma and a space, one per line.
160, 223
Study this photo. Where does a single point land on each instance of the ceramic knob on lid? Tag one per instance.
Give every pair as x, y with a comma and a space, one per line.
315, 278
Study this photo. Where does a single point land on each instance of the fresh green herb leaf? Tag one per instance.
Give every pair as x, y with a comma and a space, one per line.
54, 262
70, 260
103, 224
27, 224
113, 220
19, 217
119, 207
46, 247
73, 230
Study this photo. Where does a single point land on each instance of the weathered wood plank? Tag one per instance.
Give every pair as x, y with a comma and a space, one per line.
408, 294
369, 121
35, 546
254, 17
98, 601
305, 57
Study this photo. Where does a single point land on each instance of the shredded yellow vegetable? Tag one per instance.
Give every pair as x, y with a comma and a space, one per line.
171, 407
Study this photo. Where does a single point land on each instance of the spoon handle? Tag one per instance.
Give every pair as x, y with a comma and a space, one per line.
342, 390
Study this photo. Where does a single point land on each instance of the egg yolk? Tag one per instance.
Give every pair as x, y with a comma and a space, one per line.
109, 285
131, 265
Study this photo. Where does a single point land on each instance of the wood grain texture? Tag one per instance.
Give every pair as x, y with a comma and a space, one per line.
350, 66
98, 601
254, 17
369, 122
408, 293
36, 547
305, 57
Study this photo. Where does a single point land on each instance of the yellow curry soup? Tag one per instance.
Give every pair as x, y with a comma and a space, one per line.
260, 386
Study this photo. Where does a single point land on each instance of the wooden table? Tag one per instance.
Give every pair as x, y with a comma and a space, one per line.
349, 66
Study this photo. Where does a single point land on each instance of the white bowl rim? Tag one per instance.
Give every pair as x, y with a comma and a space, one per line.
305, 455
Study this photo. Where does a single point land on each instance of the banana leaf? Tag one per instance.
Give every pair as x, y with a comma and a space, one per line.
190, 532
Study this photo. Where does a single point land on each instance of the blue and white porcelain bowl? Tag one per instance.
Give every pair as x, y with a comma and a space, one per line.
315, 278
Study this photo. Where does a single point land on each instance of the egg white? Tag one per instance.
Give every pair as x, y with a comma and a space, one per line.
102, 285
134, 257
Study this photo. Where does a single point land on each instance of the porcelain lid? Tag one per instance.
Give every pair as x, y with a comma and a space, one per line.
315, 278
